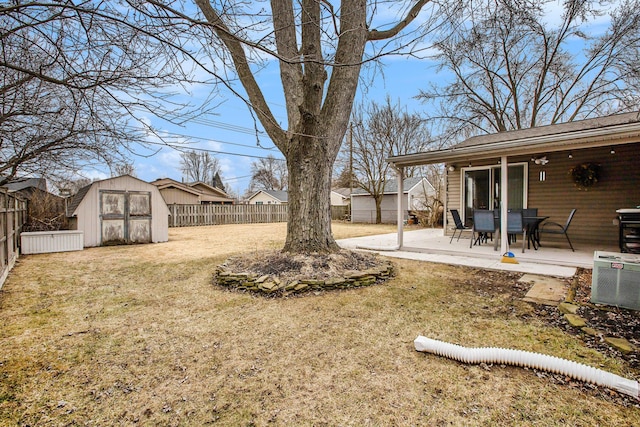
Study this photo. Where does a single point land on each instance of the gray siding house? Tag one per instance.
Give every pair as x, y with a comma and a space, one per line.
416, 192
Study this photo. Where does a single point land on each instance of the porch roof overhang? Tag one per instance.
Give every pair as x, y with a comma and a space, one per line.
601, 132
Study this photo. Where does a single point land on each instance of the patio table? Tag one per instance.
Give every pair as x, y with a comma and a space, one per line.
533, 229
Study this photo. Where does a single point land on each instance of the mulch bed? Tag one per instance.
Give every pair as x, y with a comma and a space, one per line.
607, 320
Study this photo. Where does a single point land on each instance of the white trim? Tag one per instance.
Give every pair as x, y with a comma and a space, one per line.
525, 184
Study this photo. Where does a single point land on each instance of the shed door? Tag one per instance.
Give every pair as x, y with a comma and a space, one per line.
125, 217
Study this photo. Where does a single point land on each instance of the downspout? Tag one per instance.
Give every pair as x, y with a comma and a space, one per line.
528, 359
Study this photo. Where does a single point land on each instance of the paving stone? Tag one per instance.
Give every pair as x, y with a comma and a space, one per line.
590, 331
545, 290
620, 344
575, 320
568, 308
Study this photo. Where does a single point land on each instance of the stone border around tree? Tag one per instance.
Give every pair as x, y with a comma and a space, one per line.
272, 286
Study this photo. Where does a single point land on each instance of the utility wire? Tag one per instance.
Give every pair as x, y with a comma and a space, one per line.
185, 149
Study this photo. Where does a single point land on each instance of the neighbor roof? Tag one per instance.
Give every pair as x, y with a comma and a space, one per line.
280, 195
391, 186
602, 131
22, 183
343, 191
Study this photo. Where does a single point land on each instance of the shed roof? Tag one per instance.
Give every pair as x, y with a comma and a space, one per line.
602, 131
80, 195
77, 199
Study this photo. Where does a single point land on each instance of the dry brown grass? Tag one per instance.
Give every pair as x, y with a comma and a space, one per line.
138, 335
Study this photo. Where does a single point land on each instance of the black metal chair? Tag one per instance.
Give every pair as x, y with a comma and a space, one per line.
483, 224
550, 227
515, 226
459, 224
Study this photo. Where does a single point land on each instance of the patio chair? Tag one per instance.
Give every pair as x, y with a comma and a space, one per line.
515, 226
483, 224
459, 224
555, 228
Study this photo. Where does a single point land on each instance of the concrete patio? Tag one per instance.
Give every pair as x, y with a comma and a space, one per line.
552, 259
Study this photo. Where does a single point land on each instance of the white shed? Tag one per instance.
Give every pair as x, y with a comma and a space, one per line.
120, 210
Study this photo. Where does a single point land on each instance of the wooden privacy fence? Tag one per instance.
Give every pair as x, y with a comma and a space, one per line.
194, 215
13, 214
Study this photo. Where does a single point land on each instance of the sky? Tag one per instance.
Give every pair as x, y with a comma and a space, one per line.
229, 133
229, 130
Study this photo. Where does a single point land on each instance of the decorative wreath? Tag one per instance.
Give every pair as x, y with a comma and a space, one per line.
585, 174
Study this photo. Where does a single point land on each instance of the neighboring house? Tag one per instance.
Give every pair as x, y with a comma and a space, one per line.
120, 210
540, 163
416, 193
196, 193
211, 194
269, 197
26, 185
45, 211
340, 197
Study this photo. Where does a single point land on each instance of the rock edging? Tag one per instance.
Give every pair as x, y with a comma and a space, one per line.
569, 309
270, 285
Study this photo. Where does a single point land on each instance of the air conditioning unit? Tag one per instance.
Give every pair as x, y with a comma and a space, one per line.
616, 279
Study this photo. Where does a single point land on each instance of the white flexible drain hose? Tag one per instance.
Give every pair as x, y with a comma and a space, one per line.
528, 359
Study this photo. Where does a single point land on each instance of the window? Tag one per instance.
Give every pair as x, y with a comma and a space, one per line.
481, 188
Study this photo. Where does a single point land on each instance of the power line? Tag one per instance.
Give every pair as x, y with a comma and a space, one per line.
185, 149
180, 135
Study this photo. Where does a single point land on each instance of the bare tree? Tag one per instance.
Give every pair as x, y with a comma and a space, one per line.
321, 47
378, 132
511, 69
74, 77
69, 186
200, 166
268, 174
125, 168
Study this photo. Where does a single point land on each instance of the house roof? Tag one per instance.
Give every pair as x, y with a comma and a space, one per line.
163, 183
391, 186
206, 192
208, 188
343, 191
598, 132
23, 183
210, 193
281, 196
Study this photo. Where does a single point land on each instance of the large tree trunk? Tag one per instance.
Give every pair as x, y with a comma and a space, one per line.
309, 221
378, 200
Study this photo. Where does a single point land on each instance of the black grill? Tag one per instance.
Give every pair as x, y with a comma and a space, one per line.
629, 238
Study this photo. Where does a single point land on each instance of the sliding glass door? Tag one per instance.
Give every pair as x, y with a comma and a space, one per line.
481, 188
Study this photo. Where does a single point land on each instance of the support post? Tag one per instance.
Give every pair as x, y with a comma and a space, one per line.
400, 178
504, 202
